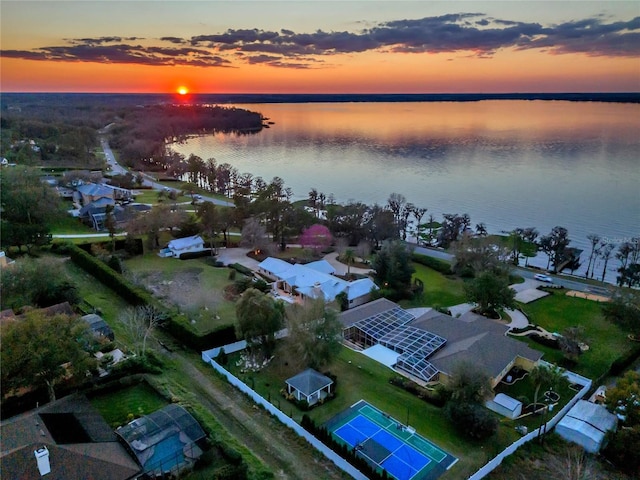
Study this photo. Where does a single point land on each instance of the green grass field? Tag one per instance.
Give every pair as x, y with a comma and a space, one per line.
359, 377
197, 287
118, 407
439, 290
557, 312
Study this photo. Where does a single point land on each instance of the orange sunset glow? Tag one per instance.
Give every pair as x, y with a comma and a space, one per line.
401, 47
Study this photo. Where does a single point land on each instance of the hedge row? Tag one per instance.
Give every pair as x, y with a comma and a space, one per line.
623, 362
128, 291
242, 269
223, 335
191, 255
436, 264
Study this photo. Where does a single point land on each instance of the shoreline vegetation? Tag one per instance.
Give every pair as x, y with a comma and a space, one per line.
123, 99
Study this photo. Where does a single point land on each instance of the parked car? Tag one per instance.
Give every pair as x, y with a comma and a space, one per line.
543, 278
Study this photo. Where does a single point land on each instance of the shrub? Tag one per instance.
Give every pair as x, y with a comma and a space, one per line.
546, 341
471, 419
241, 269
621, 363
192, 255
434, 263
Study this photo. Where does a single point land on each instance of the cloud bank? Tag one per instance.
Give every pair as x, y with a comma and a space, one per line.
469, 33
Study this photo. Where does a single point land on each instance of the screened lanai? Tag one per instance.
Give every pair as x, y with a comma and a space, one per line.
164, 441
389, 329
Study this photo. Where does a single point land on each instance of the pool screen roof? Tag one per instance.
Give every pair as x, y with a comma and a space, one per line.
144, 433
383, 323
390, 329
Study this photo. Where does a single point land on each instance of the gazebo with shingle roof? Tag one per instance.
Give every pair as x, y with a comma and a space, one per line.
310, 386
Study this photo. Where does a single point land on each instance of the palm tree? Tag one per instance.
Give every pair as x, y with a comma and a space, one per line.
594, 239
543, 375
348, 256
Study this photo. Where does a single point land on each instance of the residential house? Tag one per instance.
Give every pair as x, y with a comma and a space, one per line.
178, 246
313, 280
63, 440
91, 192
427, 348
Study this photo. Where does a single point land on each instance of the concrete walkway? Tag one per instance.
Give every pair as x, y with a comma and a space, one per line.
518, 319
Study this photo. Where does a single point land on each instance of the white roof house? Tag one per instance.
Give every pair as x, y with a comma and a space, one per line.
587, 424
315, 279
179, 246
505, 406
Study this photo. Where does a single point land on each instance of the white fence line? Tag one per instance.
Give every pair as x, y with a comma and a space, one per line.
497, 460
208, 357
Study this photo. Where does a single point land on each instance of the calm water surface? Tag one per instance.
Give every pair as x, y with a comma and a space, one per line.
506, 163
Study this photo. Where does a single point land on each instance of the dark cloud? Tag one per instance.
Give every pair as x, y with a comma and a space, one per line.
122, 53
471, 34
173, 39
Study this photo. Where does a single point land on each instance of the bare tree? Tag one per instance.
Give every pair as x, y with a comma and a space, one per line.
254, 235
140, 322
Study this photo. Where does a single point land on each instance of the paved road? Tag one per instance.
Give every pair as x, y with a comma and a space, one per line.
569, 284
148, 180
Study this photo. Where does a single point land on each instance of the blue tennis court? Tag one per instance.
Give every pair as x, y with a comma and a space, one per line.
388, 445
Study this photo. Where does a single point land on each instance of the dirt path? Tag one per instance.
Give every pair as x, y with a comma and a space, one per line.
278, 447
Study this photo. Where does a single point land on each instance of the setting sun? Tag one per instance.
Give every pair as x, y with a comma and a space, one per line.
183, 90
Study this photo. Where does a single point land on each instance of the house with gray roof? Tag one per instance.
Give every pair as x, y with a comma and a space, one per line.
67, 439
313, 280
90, 192
429, 347
309, 386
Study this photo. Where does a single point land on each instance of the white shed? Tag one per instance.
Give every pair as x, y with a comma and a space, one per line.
505, 406
587, 424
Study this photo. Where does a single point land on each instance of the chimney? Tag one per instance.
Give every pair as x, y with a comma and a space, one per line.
42, 457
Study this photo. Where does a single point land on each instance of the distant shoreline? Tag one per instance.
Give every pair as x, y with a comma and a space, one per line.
214, 98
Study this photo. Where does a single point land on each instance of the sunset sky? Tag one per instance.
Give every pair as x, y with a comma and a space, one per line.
320, 46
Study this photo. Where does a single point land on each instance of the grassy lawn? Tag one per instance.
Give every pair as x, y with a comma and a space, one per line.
193, 284
117, 407
359, 377
524, 390
69, 224
557, 312
151, 196
101, 297
439, 290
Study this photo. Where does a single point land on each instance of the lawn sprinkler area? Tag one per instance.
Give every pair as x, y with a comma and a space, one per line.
387, 444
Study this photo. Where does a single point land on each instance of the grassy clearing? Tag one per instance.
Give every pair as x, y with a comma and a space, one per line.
439, 290
359, 377
557, 312
195, 286
118, 407
68, 224
101, 297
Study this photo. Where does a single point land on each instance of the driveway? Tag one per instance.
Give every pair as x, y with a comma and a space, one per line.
341, 268
236, 255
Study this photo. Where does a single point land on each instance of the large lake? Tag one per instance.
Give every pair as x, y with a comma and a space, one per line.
507, 163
